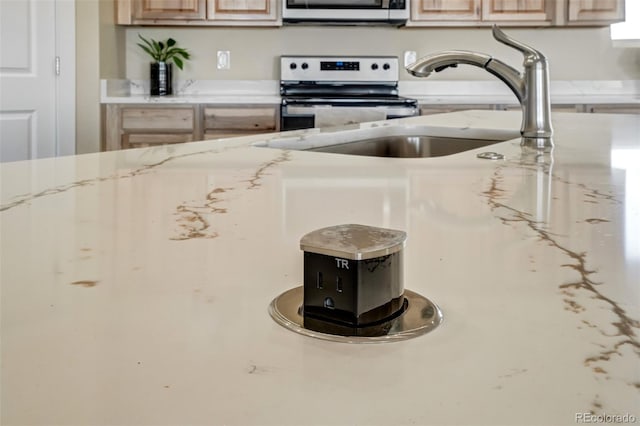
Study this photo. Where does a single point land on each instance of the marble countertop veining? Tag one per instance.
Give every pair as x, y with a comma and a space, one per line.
135, 284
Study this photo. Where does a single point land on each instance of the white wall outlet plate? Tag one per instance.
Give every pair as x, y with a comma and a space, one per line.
410, 56
224, 59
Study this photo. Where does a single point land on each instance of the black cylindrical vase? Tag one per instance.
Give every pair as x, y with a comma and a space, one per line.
160, 79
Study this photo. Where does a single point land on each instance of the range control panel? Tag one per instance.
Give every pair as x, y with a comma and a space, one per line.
334, 68
339, 65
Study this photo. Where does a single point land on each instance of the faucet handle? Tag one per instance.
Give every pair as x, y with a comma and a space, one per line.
526, 50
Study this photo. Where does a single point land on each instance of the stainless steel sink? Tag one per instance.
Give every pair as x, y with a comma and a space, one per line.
400, 141
405, 146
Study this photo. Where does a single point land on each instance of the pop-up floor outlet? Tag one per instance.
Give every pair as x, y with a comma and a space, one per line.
353, 288
362, 267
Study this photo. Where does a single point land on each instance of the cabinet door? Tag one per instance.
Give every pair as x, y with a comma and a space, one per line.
242, 10
445, 10
595, 11
517, 10
169, 9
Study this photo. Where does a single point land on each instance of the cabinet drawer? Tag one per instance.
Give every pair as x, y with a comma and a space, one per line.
614, 109
243, 118
136, 140
440, 109
220, 134
158, 118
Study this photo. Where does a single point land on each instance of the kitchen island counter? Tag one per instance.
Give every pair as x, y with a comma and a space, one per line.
135, 284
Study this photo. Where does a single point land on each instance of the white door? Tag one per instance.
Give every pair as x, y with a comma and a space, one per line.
37, 79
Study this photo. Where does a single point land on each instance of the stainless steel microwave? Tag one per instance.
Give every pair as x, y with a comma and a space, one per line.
345, 12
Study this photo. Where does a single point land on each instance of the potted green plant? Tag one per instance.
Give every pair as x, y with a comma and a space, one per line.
163, 52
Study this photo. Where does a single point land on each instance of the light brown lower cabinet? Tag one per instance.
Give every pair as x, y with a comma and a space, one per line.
589, 108
229, 121
139, 140
142, 125
614, 109
440, 109
554, 108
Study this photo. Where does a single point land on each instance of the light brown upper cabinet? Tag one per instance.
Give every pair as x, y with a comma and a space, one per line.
514, 13
589, 12
438, 11
443, 13
264, 10
518, 10
481, 12
170, 9
198, 12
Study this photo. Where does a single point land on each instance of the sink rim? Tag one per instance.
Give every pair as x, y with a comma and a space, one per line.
402, 147
307, 139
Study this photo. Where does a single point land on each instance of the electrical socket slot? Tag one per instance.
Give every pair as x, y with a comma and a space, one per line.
339, 284
319, 283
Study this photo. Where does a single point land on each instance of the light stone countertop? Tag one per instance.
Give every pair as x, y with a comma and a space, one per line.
440, 92
427, 92
135, 283
193, 92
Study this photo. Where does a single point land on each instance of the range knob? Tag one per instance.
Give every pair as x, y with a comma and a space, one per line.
374, 66
386, 66
293, 65
305, 65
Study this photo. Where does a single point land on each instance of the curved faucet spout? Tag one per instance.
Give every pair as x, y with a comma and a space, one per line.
531, 86
451, 58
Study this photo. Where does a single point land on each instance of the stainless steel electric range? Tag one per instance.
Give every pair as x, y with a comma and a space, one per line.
319, 91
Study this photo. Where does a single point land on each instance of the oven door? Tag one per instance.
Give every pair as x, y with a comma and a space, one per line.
294, 117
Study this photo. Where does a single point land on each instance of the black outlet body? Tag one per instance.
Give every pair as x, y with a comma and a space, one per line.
352, 297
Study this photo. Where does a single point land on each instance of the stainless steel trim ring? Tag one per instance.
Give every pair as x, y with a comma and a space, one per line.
420, 317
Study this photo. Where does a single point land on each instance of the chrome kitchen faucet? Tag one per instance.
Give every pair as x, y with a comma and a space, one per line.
531, 87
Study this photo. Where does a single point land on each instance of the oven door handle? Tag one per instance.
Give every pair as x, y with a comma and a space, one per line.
303, 110
399, 111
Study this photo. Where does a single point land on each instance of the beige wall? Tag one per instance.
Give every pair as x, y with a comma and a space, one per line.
97, 56
87, 77
574, 54
112, 37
